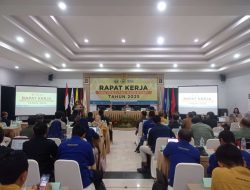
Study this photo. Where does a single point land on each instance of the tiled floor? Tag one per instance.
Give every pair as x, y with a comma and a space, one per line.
122, 163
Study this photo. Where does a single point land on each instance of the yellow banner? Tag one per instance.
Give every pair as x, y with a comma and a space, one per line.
120, 91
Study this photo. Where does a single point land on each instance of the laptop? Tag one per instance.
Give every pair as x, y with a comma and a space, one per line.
17, 143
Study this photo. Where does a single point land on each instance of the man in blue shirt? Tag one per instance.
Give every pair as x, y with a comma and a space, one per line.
158, 131
81, 151
146, 126
181, 152
226, 137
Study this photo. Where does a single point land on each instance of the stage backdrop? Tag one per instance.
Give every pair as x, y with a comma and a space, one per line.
120, 91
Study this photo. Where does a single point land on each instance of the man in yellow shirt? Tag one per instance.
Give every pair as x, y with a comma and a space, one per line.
231, 174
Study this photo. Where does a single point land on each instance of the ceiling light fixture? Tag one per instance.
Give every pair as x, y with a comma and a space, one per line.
212, 65
161, 6
138, 65
160, 40
196, 40
47, 55
86, 40
62, 6
16, 67
63, 65
175, 65
123, 40
101, 65
236, 56
20, 39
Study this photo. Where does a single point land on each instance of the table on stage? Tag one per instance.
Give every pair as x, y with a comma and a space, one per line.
12, 131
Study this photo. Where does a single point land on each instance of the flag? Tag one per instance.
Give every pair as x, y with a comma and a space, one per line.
84, 100
76, 95
173, 102
71, 103
166, 101
81, 95
66, 98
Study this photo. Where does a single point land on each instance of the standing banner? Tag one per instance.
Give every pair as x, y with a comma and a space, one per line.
66, 98
120, 91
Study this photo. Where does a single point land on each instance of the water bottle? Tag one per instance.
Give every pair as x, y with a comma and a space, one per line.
202, 142
243, 143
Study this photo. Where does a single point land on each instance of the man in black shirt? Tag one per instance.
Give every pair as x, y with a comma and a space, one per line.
41, 149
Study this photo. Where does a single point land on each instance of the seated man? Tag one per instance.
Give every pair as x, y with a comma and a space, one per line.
181, 152
28, 131
14, 170
5, 118
58, 116
244, 130
158, 131
146, 126
3, 149
226, 137
41, 149
231, 174
201, 130
81, 151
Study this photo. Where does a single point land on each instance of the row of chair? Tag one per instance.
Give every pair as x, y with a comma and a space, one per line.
67, 172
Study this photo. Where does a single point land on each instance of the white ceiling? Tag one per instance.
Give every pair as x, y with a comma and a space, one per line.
222, 26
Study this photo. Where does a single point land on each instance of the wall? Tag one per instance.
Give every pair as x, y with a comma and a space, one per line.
9, 78
188, 79
237, 90
74, 80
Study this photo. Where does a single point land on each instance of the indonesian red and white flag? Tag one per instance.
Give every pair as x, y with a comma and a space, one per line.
66, 98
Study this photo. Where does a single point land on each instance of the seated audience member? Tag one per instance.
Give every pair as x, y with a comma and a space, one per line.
158, 131
28, 131
201, 130
90, 133
187, 122
14, 170
146, 126
58, 117
175, 122
98, 123
225, 126
181, 152
90, 117
41, 149
210, 120
226, 137
142, 118
5, 118
164, 121
3, 149
231, 173
76, 121
244, 130
104, 118
81, 151
63, 117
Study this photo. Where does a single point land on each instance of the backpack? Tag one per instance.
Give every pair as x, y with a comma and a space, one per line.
55, 130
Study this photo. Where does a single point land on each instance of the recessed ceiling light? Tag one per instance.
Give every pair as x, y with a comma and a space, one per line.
62, 6
138, 185
16, 67
138, 65
86, 40
196, 40
175, 65
160, 40
236, 56
123, 40
101, 65
63, 65
212, 65
47, 55
20, 39
161, 6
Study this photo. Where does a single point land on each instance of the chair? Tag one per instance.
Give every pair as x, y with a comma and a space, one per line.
186, 173
161, 141
33, 173
6, 141
56, 140
212, 143
234, 126
175, 131
66, 168
217, 131
139, 134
